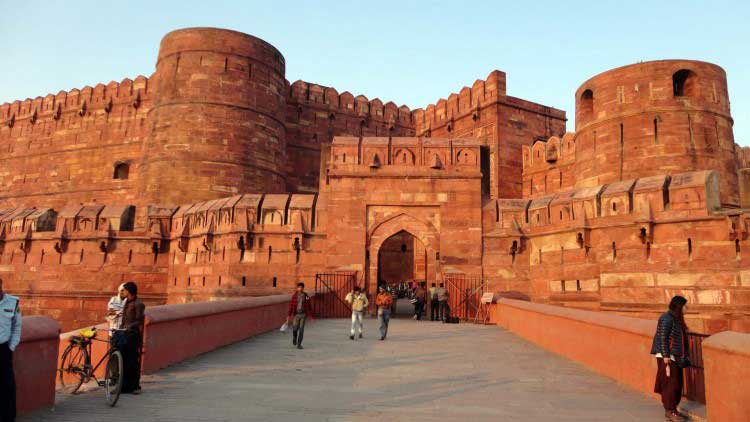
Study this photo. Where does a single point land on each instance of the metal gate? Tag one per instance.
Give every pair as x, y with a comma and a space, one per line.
464, 294
330, 291
694, 386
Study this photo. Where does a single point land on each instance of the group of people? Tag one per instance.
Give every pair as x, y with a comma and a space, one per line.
359, 303
436, 296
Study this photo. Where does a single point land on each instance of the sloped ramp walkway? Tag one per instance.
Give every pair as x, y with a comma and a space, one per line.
424, 371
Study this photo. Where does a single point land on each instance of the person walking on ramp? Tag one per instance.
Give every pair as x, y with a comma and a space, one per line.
299, 310
384, 301
359, 303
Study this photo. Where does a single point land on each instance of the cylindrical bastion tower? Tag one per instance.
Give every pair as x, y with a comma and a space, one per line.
217, 124
659, 117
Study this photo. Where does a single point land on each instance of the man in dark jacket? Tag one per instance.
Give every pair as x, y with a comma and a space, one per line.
299, 310
133, 317
670, 348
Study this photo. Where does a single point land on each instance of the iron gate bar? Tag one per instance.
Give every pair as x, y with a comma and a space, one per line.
330, 291
694, 387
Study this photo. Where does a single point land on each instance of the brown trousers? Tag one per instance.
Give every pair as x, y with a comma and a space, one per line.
670, 387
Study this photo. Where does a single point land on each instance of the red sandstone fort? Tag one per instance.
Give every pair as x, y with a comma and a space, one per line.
215, 177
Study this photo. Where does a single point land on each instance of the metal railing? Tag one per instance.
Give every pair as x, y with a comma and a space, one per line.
694, 387
464, 294
330, 291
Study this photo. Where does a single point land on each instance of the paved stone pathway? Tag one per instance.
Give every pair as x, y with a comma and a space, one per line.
423, 371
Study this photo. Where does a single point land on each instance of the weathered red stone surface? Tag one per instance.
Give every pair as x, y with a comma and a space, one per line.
726, 359
35, 364
215, 178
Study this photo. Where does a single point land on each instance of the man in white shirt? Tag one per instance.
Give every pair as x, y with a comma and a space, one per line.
115, 307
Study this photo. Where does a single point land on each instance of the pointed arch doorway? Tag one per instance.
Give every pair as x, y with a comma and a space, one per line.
401, 249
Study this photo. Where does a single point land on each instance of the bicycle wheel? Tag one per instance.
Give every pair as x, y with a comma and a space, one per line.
72, 371
113, 377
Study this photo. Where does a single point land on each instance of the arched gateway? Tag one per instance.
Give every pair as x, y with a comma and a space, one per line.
425, 253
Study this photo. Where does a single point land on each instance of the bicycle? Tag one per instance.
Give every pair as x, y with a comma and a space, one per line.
75, 365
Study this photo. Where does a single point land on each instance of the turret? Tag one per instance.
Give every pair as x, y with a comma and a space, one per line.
217, 125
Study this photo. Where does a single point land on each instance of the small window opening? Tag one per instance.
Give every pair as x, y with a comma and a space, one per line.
122, 171
656, 132
188, 282
614, 206
219, 280
175, 281
204, 281
274, 282
578, 285
244, 281
648, 250
403, 247
270, 252
737, 248
690, 248
684, 83
562, 285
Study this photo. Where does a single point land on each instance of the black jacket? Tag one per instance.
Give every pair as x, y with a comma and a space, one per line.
669, 338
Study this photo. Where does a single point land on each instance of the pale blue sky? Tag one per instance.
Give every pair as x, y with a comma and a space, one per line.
411, 53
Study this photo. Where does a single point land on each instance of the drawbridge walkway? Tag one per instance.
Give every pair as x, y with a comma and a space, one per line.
424, 371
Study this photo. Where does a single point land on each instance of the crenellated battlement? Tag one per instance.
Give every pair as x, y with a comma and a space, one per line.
76, 101
469, 100
323, 97
684, 195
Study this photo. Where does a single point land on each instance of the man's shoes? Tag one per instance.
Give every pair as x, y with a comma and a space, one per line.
299, 346
351, 337
382, 338
360, 335
294, 342
673, 416
682, 415
414, 317
137, 391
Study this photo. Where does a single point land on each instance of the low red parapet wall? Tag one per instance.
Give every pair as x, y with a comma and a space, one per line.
174, 333
615, 346
178, 332
34, 361
726, 362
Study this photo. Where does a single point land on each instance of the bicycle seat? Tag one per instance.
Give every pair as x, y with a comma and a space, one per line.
87, 333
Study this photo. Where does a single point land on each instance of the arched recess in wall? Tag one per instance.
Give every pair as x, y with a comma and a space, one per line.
586, 105
121, 170
403, 156
685, 83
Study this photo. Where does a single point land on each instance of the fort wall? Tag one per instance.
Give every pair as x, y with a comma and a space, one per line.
625, 247
76, 146
503, 123
316, 113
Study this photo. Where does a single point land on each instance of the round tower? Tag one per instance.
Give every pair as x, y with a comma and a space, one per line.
659, 117
217, 120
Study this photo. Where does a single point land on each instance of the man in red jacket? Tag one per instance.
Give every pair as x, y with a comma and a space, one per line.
299, 310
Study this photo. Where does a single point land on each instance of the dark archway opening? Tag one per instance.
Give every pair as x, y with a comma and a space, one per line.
402, 263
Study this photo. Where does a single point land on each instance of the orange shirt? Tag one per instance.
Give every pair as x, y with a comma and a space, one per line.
384, 300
